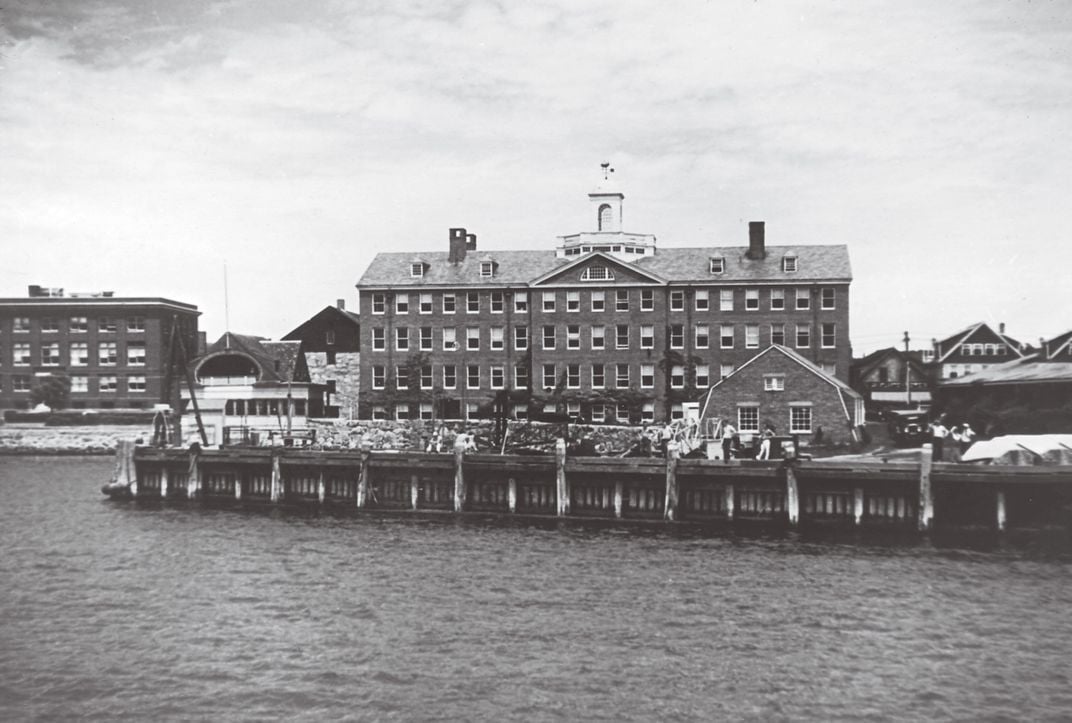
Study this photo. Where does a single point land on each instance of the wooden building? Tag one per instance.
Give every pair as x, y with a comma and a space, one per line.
331, 343
891, 378
605, 326
972, 350
118, 352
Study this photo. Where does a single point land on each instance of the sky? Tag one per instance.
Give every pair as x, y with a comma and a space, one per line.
146, 146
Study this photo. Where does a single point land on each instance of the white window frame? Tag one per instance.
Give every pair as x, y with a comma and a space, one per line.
598, 340
701, 338
725, 299
789, 264
521, 301
777, 295
416, 270
803, 299
751, 299
647, 376
796, 413
450, 338
751, 336
774, 382
598, 301
379, 303
702, 300
452, 307
424, 304
647, 336
573, 301
748, 419
401, 303
828, 294
703, 376
647, 299
722, 336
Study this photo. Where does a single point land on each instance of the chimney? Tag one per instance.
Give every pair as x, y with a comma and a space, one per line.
458, 243
470, 242
756, 246
1001, 328
340, 304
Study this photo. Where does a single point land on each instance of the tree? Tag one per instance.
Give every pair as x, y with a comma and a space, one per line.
54, 391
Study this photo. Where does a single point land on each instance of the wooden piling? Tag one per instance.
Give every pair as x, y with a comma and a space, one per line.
163, 481
363, 477
321, 493
414, 491
193, 480
238, 485
1001, 519
618, 500
858, 505
459, 478
670, 505
562, 505
792, 496
727, 501
926, 493
511, 494
277, 479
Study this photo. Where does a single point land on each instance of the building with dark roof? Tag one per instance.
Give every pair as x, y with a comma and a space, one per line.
891, 377
972, 350
118, 352
605, 325
331, 343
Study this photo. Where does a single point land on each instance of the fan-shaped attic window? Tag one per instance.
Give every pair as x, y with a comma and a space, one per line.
606, 217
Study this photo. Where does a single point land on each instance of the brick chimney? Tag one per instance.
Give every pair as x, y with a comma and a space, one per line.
756, 241
470, 242
340, 304
1001, 328
459, 242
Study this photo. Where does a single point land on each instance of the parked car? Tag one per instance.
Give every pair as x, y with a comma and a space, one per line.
908, 427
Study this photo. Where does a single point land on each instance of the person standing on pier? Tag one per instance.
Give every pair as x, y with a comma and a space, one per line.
729, 436
938, 434
765, 445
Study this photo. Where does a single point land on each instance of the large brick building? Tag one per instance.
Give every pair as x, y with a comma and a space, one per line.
118, 352
604, 326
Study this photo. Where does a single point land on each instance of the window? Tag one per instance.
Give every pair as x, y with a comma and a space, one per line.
829, 369
450, 376
416, 270
521, 338
647, 336
748, 419
401, 377
472, 376
379, 303
497, 302
724, 370
20, 354
703, 336
598, 337
677, 301
105, 325
521, 411
79, 385
777, 299
450, 303
487, 268
108, 384
135, 324
599, 413
426, 376
828, 337
379, 339
774, 382
621, 375
548, 376
402, 411
401, 303
647, 299
521, 376
621, 336
803, 299
136, 383
424, 304
498, 338
599, 300
573, 409
725, 300
573, 376
677, 336
799, 420
751, 299
606, 217
521, 301
50, 324
426, 338
621, 300
22, 324
803, 336
402, 339
136, 355
472, 338
677, 376
329, 337
789, 264
717, 265
647, 376
549, 337
107, 353
677, 411
426, 410
50, 354
599, 376
498, 377
450, 339
597, 273
78, 325
703, 376
751, 336
379, 412
647, 412
726, 336
828, 298
79, 354
472, 302
20, 383
573, 301
703, 300
777, 334
548, 301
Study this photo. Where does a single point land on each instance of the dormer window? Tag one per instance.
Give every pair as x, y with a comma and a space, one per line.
789, 264
487, 268
718, 265
416, 269
597, 273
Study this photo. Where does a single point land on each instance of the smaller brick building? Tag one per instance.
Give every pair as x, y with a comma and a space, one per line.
781, 388
331, 343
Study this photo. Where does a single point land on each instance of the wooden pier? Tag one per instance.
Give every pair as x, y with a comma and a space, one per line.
897, 494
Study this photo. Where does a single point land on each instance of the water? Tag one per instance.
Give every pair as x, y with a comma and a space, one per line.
119, 611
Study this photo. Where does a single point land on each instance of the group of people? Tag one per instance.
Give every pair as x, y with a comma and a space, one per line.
955, 439
731, 441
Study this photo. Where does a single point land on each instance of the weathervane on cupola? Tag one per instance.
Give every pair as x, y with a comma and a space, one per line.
607, 170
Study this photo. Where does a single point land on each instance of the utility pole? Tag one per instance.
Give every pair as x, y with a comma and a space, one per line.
907, 371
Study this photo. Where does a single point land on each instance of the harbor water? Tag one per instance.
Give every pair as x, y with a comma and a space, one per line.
140, 611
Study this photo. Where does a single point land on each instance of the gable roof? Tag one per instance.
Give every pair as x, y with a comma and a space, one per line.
279, 361
597, 256
328, 312
861, 367
674, 265
1054, 346
954, 341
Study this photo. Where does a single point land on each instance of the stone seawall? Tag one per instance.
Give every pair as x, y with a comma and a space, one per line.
39, 439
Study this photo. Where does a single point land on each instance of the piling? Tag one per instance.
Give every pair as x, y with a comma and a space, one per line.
727, 501
926, 493
163, 482
511, 495
363, 477
792, 495
1001, 520
562, 503
238, 486
277, 479
670, 505
414, 491
193, 481
618, 499
459, 478
858, 505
